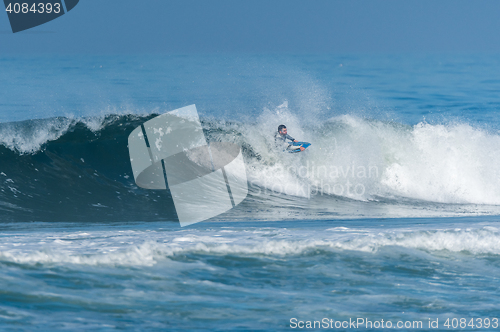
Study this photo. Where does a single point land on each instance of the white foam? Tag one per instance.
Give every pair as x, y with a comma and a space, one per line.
476, 241
367, 159
29, 139
144, 255
451, 164
96, 123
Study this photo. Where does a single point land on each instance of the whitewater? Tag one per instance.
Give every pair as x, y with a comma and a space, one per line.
391, 213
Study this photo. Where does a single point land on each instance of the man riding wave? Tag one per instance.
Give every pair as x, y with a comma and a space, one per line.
282, 136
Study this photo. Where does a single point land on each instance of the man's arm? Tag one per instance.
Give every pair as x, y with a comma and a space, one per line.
294, 140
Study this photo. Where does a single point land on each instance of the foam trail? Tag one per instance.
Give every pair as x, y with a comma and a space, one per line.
128, 248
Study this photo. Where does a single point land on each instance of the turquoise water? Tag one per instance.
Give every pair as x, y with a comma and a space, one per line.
391, 214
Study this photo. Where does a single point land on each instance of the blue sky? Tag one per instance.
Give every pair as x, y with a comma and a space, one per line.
231, 26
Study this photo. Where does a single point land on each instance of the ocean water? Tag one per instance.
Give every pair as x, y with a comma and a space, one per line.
392, 213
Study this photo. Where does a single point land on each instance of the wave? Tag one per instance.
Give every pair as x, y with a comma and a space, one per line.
63, 169
78, 169
160, 248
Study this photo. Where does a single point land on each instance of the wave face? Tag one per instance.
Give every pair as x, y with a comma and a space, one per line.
78, 169
74, 169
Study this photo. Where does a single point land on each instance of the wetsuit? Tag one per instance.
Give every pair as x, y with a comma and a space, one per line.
282, 138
